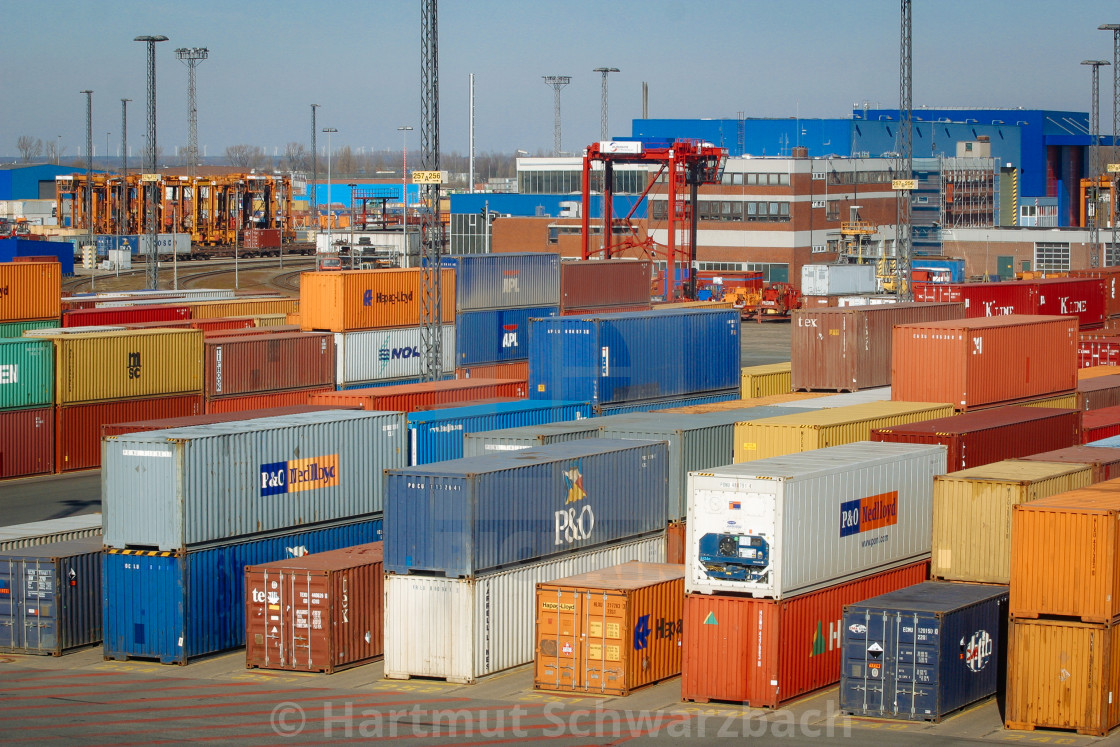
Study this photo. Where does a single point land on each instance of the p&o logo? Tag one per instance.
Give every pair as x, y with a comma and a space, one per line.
297, 475
865, 514
572, 524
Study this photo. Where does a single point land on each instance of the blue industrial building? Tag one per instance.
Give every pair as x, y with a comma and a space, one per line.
34, 181
530, 205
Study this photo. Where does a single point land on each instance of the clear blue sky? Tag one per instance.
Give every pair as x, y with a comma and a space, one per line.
360, 60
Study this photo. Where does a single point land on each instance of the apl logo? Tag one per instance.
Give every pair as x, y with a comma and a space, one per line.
865, 514
298, 475
977, 650
509, 336
510, 281
572, 525
9, 373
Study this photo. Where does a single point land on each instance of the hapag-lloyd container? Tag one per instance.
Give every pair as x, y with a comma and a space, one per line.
1111, 278
386, 354
348, 300
495, 336
467, 517
1098, 392
174, 607
143, 426
788, 525
268, 363
31, 290
178, 488
607, 283
1105, 462
1097, 425
126, 315
26, 372
26, 442
984, 362
289, 398
764, 652
463, 629
65, 529
770, 378
315, 613
409, 397
505, 280
501, 440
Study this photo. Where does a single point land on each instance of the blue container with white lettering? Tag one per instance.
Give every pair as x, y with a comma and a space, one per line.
496, 336
505, 280
467, 517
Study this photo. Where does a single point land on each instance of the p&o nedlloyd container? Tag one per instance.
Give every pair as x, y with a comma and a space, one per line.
788, 525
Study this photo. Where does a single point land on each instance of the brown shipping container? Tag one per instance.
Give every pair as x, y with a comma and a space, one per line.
609, 631
847, 349
985, 362
222, 324
820, 302
607, 310
596, 284
1104, 461
316, 613
1065, 555
26, 442
674, 542
1098, 392
1063, 675
411, 397
1111, 278
341, 301
251, 331
268, 400
764, 652
268, 363
142, 426
518, 371
243, 307
30, 290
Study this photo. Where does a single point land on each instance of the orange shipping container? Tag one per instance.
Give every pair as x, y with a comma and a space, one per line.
518, 371
263, 401
674, 542
30, 290
368, 299
412, 397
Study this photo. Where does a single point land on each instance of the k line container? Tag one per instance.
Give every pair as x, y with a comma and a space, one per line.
826, 280
16, 329
1080, 297
386, 354
50, 597
604, 284
26, 442
1102, 424
982, 299
315, 613
178, 488
143, 426
290, 398
347, 300
765, 652
984, 362
467, 517
760, 381
243, 307
409, 397
528, 436
1104, 462
784, 526
125, 315
609, 631
172, 608
26, 372
1111, 278
1100, 351
30, 291
463, 629
268, 363
518, 371
505, 280
922, 652
495, 336
18, 536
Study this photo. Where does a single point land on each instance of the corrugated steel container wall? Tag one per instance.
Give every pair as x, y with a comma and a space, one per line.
347, 300
275, 320
1092, 372
386, 354
793, 402
764, 652
1105, 462
605, 283
77, 430
670, 403
1060, 402
827, 280
263, 401
222, 324
609, 631
495, 336
30, 291
143, 426
983, 362
922, 652
1097, 425
26, 372
268, 363
982, 299
42, 334
627, 309
848, 349
1063, 675
125, 315
822, 400
16, 536
243, 307
50, 597
834, 426
176, 607
409, 397
463, 629
1098, 392
784, 526
1100, 351
481, 443
972, 514
761, 381
674, 542
316, 613
1080, 297
26, 442
518, 371
16, 329
1111, 278
505, 280
466, 517
179, 488
817, 302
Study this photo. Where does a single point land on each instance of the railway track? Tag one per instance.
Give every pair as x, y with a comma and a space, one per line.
288, 281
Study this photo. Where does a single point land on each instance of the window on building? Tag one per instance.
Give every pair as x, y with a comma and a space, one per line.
1051, 255
832, 210
553, 235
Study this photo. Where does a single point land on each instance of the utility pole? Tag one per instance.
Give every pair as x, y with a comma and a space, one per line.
1115, 212
124, 167
192, 57
314, 173
431, 228
556, 82
603, 105
905, 164
89, 184
152, 187
1095, 164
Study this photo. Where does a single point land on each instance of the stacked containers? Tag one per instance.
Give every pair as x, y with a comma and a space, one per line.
262, 364
591, 287
1111, 278
1080, 297
1098, 392
1104, 461
1097, 425
409, 397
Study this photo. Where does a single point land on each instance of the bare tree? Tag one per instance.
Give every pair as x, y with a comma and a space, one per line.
29, 147
247, 157
344, 161
295, 157
54, 153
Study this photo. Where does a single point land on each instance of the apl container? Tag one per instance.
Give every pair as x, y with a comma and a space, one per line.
26, 442
409, 397
290, 398
268, 363
529, 436
1104, 461
30, 290
828, 280
50, 597
347, 300
26, 372
760, 381
922, 652
505, 280
1098, 392
599, 284
174, 607
784, 526
16, 329
126, 315
17, 536
315, 613
178, 488
610, 631
386, 354
466, 517
463, 629
496, 336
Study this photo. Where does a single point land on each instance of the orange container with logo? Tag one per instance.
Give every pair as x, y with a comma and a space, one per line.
425, 394
30, 290
368, 299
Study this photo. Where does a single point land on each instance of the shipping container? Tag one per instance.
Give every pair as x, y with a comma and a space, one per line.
675, 540
819, 302
609, 631
985, 362
1104, 462
409, 397
348, 300
30, 291
495, 336
1098, 425
316, 613
77, 428
795, 400
268, 363
764, 652
52, 332
261, 238
847, 399
65, 529
1083, 298
922, 652
178, 488
16, 329
1111, 278
1098, 392
126, 315
671, 305
245, 306
274, 320
1092, 372
1098, 351
635, 308
848, 349
174, 607
866, 300
143, 426
518, 370
602, 284
291, 398
972, 514
386, 354
828, 280
463, 629
500, 440
222, 324
982, 299
26, 442
666, 403
505, 280
26, 372
769, 378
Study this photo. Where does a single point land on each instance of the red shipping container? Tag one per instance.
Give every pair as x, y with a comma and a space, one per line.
176, 324
603, 284
985, 436
1111, 278
763, 652
26, 442
78, 427
250, 331
982, 299
605, 310
518, 371
124, 315
1098, 392
222, 324
263, 401
412, 397
1098, 424
1081, 297
1104, 461
1098, 351
141, 426
261, 238
674, 543
268, 363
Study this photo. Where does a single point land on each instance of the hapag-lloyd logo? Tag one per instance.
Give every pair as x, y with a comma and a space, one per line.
297, 475
369, 297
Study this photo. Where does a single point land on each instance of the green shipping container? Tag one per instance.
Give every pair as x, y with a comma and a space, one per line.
26, 372
16, 329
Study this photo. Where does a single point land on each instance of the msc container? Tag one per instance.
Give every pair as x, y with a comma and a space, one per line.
1098, 425
1098, 392
616, 358
829, 280
788, 525
848, 349
495, 336
125, 315
518, 370
143, 426
528, 436
767, 379
315, 613
1111, 289
409, 397
505, 280
983, 362
244, 307
50, 597
922, 652
268, 363
176, 488
1105, 462
26, 442
346, 300
174, 607
609, 631
463, 629
26, 372
605, 283
16, 329
764, 652
972, 514
30, 290
17, 536
291, 398
1080, 297
466, 517
386, 354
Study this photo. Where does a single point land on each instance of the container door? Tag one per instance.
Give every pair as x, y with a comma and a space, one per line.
559, 648
865, 670
1005, 266
890, 664
38, 605
304, 615
11, 628
916, 666
605, 644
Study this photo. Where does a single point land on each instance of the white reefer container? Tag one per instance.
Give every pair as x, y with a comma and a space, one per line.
384, 354
463, 629
787, 525
835, 280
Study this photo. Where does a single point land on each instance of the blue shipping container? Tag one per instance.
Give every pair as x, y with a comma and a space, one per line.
497, 336
462, 518
633, 357
925, 651
159, 605
505, 281
437, 435
944, 270
666, 404
1112, 442
12, 248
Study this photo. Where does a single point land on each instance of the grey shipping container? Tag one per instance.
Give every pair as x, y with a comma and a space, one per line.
528, 436
505, 280
925, 651
15, 536
182, 487
50, 597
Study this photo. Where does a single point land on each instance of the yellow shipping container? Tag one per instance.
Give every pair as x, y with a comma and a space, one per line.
738, 404
760, 381
835, 426
30, 290
243, 307
1093, 372
341, 301
1061, 401
672, 305
972, 514
270, 320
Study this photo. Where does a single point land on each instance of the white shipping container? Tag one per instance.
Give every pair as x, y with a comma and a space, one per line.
180, 243
463, 629
16, 536
787, 525
836, 280
865, 300
384, 354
